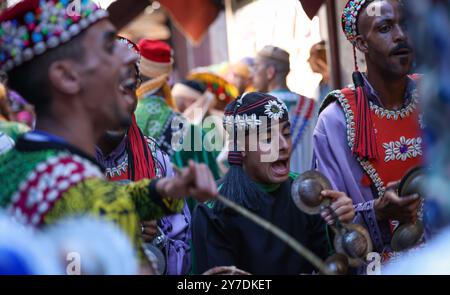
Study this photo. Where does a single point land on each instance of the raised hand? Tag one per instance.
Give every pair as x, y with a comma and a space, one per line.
341, 204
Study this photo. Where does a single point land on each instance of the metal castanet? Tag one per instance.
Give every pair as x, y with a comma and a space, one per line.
156, 257
413, 183
351, 240
306, 192
407, 236
338, 263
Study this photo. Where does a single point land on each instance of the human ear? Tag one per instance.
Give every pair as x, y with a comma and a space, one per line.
270, 72
361, 44
64, 77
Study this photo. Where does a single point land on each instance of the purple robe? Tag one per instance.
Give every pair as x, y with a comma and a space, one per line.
177, 227
332, 157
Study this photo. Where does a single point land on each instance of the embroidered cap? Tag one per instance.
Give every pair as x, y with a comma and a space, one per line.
32, 27
245, 113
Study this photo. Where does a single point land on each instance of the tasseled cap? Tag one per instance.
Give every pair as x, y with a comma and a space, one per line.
31, 27
245, 113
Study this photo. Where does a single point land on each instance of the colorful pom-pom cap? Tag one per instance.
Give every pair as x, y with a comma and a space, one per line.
31, 27
350, 18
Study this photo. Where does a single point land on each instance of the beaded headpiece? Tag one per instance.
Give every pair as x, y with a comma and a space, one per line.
32, 27
350, 18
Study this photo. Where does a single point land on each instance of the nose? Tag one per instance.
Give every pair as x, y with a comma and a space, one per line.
399, 34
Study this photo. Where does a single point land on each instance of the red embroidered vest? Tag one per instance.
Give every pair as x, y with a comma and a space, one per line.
398, 139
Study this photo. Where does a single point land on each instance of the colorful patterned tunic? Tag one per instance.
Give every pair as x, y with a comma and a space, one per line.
43, 181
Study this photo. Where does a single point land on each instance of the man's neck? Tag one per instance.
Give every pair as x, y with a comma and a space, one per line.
78, 132
281, 85
391, 91
109, 142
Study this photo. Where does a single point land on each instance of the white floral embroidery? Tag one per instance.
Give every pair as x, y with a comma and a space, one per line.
403, 149
274, 109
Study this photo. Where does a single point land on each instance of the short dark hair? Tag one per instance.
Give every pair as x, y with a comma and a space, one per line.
31, 78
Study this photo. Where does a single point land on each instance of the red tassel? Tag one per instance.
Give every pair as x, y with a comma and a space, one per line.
143, 165
365, 141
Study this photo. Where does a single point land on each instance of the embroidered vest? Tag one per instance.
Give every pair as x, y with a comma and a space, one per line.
398, 138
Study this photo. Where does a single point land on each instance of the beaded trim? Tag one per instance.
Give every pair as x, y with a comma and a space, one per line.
45, 184
122, 167
366, 165
350, 17
43, 31
395, 115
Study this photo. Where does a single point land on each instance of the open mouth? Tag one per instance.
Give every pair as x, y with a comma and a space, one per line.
402, 52
280, 168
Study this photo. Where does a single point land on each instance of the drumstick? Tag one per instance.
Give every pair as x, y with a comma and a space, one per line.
282, 235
